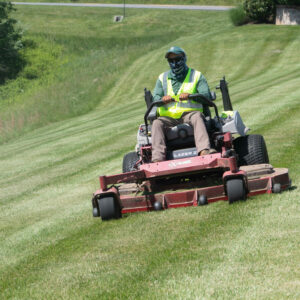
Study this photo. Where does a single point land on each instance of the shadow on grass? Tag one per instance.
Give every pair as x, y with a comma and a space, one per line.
292, 188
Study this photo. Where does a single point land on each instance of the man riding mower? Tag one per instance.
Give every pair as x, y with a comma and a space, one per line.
184, 157
173, 88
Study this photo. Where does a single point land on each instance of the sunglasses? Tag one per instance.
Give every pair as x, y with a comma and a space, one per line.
175, 59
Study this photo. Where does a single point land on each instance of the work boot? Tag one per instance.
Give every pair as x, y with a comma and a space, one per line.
207, 151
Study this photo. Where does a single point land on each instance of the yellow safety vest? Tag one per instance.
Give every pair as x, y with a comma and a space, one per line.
177, 108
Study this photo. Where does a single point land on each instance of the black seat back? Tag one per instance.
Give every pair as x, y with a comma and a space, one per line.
148, 97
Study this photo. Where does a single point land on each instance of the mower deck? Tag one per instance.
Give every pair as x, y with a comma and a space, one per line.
142, 190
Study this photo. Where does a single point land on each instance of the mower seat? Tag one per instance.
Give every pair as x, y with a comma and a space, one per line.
182, 135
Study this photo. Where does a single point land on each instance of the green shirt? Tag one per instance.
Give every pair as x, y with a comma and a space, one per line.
202, 87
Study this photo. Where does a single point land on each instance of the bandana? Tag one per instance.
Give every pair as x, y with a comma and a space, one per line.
179, 68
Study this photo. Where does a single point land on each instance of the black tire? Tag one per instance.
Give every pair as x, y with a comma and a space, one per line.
96, 212
129, 161
109, 208
251, 150
235, 190
276, 188
202, 200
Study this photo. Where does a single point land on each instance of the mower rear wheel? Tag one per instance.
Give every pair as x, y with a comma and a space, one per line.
129, 161
251, 150
109, 208
235, 190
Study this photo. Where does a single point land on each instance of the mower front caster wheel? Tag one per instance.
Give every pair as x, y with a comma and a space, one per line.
235, 190
158, 205
109, 208
96, 212
202, 200
276, 188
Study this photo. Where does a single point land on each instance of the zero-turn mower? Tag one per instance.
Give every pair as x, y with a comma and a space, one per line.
240, 168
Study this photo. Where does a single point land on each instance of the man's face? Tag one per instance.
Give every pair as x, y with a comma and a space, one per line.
176, 62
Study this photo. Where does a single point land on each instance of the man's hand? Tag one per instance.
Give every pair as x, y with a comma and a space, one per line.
184, 96
167, 99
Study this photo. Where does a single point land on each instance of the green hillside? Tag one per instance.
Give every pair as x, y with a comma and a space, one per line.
52, 248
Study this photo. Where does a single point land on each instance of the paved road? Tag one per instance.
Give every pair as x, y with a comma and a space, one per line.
184, 7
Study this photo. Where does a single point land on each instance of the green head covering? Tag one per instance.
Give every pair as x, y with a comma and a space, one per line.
175, 50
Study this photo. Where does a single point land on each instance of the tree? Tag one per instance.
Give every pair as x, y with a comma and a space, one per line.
10, 43
262, 11
288, 2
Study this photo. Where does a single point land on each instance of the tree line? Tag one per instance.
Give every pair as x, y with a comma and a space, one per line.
11, 61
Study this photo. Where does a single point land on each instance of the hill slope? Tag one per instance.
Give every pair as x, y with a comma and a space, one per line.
51, 247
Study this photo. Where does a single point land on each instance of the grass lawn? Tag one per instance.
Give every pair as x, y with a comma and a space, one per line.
52, 248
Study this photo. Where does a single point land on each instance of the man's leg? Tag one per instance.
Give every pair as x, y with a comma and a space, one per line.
195, 119
158, 137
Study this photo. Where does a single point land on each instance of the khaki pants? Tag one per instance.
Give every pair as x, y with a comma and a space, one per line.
161, 125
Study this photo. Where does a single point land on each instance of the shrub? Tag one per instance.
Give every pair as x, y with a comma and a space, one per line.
260, 10
10, 43
288, 2
41, 58
238, 16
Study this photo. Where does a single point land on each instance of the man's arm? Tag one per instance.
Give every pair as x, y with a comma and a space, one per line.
203, 87
158, 92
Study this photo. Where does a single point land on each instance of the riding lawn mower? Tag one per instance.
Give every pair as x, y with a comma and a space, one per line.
240, 168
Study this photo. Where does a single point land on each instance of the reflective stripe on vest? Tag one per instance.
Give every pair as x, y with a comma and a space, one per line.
189, 85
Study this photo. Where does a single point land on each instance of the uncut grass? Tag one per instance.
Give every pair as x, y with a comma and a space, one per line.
52, 248
93, 51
